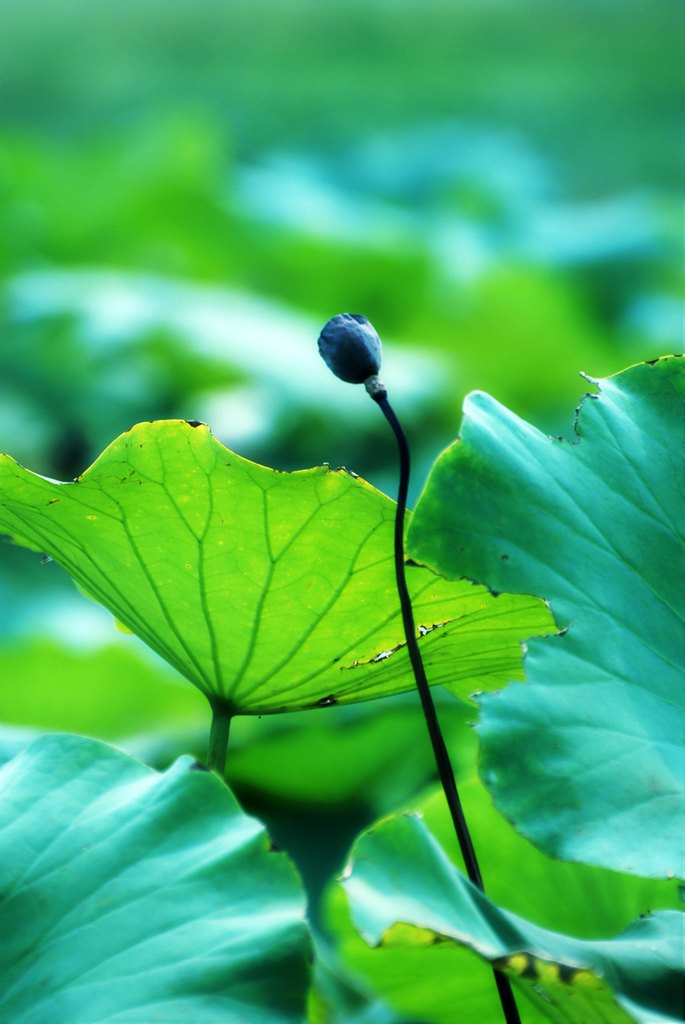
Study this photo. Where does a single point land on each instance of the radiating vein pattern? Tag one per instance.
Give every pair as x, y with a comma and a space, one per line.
274, 591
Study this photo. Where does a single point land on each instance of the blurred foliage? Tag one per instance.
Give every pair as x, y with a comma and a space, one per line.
311, 74
130, 258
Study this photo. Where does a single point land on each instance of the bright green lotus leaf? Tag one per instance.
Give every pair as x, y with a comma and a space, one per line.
403, 891
274, 591
588, 759
131, 896
124, 695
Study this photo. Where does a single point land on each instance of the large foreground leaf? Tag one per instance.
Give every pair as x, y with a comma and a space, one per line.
129, 896
588, 759
404, 892
271, 590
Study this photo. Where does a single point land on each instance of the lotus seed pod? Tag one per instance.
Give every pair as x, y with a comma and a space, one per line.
350, 347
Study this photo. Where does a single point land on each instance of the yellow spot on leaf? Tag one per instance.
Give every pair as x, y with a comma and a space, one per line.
547, 973
408, 935
586, 980
517, 963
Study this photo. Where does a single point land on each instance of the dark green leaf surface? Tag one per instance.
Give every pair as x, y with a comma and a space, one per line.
130, 896
274, 590
404, 891
588, 759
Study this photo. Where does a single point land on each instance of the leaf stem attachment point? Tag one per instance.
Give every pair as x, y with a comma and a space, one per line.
218, 735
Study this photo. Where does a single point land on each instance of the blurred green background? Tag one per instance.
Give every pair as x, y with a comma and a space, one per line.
188, 190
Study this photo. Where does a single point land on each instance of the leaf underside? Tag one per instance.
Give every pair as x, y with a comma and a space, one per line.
274, 591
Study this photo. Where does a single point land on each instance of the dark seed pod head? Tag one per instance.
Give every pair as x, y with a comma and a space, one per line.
350, 347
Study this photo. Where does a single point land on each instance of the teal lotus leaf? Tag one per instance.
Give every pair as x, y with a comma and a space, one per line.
132, 896
588, 759
404, 893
